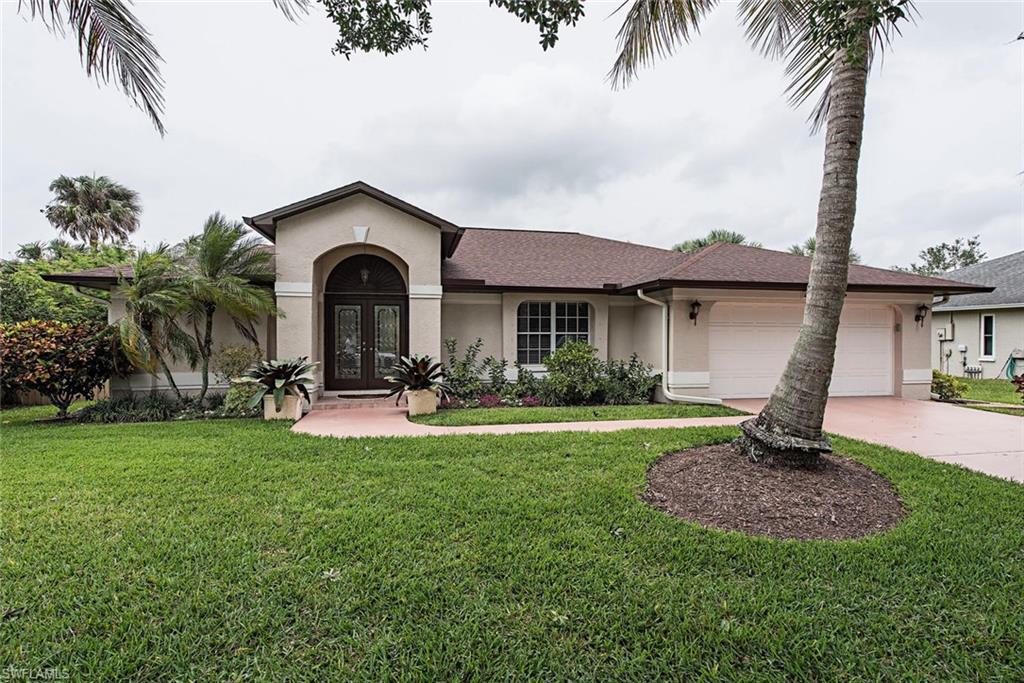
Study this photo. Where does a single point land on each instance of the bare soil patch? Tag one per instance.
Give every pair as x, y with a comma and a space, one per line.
719, 487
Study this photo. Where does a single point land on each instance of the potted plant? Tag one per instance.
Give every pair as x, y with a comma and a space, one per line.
282, 386
422, 379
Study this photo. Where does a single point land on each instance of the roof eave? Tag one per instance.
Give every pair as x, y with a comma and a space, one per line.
93, 282
653, 285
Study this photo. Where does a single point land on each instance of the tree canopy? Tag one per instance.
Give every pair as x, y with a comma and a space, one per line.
714, 236
947, 256
809, 245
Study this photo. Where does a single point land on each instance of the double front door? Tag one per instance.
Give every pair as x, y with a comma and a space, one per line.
364, 338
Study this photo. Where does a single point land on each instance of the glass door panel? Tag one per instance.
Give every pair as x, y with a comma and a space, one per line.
387, 326
348, 341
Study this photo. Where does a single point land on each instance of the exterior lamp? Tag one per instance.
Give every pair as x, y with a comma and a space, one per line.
922, 312
694, 311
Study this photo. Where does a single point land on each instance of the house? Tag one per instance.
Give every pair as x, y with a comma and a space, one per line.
982, 330
363, 276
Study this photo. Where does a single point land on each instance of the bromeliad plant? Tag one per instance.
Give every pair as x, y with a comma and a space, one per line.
280, 378
417, 373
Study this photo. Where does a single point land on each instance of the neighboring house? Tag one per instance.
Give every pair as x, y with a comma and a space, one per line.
363, 276
982, 329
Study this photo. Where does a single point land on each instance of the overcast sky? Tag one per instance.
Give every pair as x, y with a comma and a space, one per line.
486, 129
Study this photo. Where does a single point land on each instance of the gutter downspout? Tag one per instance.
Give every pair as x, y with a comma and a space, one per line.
665, 361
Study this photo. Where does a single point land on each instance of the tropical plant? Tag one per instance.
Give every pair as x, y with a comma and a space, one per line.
150, 330
417, 373
224, 268
93, 209
714, 237
462, 375
280, 378
809, 245
494, 368
61, 361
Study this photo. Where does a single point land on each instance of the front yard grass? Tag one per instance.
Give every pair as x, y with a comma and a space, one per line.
458, 417
231, 550
992, 390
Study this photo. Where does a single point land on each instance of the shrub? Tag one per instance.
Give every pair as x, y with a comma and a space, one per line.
489, 401
530, 402
417, 373
238, 400
526, 383
462, 375
130, 408
231, 361
280, 378
497, 382
1018, 382
62, 361
575, 376
946, 386
629, 381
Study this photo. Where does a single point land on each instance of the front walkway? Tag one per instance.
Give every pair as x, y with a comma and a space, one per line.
982, 441
357, 422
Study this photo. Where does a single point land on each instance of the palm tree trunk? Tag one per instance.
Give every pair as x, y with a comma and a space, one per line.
170, 379
789, 428
206, 350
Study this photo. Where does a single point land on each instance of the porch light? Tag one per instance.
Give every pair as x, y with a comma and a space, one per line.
922, 312
694, 311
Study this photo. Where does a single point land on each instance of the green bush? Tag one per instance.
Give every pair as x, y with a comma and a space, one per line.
629, 381
946, 386
231, 361
462, 375
62, 361
494, 368
238, 398
575, 376
526, 384
131, 408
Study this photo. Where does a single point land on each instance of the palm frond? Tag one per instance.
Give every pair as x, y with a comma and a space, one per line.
292, 9
651, 30
113, 46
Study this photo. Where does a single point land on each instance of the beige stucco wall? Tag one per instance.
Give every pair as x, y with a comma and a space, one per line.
965, 329
466, 317
224, 334
310, 244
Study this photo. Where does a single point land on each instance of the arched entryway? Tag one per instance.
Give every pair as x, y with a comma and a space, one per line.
366, 323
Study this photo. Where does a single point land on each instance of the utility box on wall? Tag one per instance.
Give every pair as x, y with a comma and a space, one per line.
941, 334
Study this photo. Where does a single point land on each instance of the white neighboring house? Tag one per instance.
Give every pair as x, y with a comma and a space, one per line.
982, 330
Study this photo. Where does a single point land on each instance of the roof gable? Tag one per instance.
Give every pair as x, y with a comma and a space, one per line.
1005, 273
266, 222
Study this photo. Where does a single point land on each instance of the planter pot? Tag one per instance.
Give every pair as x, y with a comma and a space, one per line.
291, 409
421, 402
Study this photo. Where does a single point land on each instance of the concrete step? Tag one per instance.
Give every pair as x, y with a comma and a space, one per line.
351, 402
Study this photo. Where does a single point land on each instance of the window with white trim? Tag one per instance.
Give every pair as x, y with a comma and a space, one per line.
988, 336
542, 326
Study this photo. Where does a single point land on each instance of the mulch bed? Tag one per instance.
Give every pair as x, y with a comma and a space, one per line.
719, 487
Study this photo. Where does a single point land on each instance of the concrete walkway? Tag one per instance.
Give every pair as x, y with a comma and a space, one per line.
982, 441
359, 422
987, 442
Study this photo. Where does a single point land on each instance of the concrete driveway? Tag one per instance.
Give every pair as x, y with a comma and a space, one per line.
987, 442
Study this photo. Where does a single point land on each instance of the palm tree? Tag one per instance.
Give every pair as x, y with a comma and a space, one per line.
810, 244
713, 237
93, 209
149, 330
829, 45
224, 268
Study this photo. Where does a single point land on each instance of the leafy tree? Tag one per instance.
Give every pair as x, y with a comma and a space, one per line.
224, 268
24, 295
713, 237
149, 332
93, 209
944, 257
59, 360
810, 244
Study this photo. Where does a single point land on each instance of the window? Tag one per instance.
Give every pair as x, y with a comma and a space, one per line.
546, 325
988, 337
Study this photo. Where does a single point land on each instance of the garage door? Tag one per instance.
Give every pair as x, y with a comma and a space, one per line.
750, 345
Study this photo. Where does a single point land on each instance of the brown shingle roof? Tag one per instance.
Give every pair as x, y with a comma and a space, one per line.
526, 259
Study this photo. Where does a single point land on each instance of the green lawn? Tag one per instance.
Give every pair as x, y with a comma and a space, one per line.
499, 416
232, 550
994, 390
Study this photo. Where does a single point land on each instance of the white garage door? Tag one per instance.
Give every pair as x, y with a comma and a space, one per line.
750, 345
